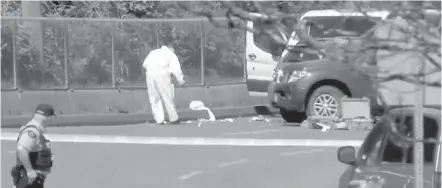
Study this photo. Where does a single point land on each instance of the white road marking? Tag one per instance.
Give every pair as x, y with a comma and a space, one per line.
190, 141
265, 131
232, 163
300, 152
253, 132
189, 175
237, 133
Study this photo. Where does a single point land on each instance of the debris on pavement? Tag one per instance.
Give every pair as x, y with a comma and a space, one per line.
199, 106
230, 120
334, 123
304, 124
350, 119
341, 125
320, 122
325, 128
202, 121
260, 118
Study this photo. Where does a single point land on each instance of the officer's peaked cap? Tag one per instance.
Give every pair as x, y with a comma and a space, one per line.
45, 110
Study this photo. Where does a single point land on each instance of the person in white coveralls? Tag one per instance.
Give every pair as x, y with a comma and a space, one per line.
161, 64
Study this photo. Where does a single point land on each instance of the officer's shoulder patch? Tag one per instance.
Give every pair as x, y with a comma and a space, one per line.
31, 134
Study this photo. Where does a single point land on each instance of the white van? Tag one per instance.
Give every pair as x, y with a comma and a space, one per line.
259, 60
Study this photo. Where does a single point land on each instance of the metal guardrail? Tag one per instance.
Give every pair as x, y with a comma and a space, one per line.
70, 53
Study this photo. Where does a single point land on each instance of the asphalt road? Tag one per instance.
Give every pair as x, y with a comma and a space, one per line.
124, 165
130, 164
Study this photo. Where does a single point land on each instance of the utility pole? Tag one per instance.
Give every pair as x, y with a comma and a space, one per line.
418, 156
33, 9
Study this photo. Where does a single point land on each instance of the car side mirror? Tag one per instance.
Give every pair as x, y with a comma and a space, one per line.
276, 50
275, 58
347, 155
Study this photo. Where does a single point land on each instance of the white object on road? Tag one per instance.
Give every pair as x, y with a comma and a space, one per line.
230, 120
199, 106
325, 128
260, 118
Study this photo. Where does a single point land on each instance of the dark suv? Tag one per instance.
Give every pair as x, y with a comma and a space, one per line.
309, 84
384, 163
314, 86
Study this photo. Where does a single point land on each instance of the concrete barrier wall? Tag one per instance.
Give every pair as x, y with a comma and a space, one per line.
124, 101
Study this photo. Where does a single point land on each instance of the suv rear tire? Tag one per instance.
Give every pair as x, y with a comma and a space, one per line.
292, 116
328, 95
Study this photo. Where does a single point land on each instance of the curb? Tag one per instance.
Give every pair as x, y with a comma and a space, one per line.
135, 118
190, 141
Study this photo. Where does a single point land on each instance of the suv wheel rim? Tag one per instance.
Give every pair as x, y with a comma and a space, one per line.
325, 105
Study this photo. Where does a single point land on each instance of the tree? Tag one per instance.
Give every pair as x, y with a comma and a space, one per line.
89, 44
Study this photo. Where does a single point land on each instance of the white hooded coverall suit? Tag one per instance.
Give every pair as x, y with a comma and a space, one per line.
160, 65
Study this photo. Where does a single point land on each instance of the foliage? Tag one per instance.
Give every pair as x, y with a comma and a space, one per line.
89, 45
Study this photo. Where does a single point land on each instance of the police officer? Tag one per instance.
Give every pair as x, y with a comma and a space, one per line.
34, 156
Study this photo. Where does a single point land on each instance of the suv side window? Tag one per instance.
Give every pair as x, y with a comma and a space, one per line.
396, 154
261, 39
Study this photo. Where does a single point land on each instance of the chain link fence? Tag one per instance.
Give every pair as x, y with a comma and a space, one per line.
55, 53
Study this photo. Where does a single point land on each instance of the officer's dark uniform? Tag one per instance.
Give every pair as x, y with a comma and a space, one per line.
31, 137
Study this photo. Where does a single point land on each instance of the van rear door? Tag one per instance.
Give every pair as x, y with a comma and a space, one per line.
259, 60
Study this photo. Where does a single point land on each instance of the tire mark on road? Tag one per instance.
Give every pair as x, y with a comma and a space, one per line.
253, 132
189, 175
300, 152
238, 133
232, 163
265, 131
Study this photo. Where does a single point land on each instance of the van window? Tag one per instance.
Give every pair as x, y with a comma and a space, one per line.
395, 154
351, 26
262, 40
